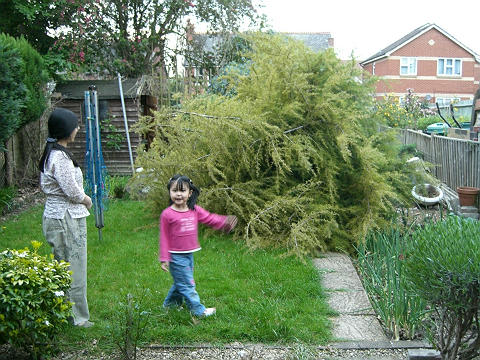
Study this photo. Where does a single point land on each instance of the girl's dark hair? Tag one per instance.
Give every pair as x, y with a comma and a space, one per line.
183, 182
61, 124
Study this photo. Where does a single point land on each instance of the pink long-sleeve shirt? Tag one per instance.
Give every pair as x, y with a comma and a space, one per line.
179, 230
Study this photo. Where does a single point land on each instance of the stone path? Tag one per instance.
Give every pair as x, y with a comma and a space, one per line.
357, 320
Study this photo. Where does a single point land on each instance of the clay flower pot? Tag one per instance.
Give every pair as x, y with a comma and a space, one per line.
467, 195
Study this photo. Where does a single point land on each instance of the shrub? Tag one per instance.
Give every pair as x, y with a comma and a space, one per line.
33, 305
12, 90
287, 154
443, 265
33, 76
117, 187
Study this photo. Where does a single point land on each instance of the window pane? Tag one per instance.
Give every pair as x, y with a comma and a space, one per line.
457, 67
440, 66
413, 67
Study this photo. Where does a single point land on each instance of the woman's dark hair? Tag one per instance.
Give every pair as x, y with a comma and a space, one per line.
182, 182
61, 124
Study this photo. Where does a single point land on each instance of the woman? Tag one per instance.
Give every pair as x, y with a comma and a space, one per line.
66, 207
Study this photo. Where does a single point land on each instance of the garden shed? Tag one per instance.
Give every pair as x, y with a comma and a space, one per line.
70, 95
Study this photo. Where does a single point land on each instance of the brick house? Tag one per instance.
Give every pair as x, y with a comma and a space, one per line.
431, 62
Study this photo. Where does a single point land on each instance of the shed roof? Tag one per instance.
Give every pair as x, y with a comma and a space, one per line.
411, 36
106, 89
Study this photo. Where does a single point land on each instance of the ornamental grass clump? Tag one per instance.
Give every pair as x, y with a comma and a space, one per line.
381, 262
443, 266
33, 305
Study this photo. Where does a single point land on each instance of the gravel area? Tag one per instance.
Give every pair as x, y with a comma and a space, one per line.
247, 352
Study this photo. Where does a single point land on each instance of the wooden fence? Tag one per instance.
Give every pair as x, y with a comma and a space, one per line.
456, 161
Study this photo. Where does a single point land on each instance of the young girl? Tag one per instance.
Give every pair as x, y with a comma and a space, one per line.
179, 240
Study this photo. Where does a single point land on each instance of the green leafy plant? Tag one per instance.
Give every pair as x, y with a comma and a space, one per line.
443, 266
7, 194
12, 96
130, 323
404, 114
381, 262
33, 304
117, 187
111, 135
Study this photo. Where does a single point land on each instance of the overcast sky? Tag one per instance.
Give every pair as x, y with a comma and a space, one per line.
366, 27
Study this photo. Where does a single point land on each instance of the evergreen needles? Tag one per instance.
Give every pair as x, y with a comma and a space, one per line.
289, 153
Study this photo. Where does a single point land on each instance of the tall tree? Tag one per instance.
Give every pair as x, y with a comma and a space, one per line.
130, 36
35, 19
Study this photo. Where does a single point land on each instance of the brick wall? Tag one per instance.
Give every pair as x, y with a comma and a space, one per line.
427, 48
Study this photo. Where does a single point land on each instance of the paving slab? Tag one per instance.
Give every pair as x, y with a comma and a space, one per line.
356, 320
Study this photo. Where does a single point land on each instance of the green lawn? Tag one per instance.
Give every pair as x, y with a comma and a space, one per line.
260, 296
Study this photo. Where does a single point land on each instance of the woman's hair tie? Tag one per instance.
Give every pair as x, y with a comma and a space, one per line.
51, 140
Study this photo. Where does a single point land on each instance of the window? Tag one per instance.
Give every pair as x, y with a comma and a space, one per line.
452, 67
446, 101
408, 66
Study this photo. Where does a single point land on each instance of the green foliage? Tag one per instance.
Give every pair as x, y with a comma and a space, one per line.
112, 135
33, 19
130, 323
130, 37
403, 115
117, 187
12, 89
381, 262
222, 84
7, 194
423, 122
33, 77
288, 154
33, 304
443, 265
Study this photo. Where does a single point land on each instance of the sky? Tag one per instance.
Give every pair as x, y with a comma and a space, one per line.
366, 27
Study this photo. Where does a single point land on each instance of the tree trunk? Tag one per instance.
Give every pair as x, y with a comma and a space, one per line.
8, 164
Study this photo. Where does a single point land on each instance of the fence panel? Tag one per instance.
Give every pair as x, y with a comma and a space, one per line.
455, 160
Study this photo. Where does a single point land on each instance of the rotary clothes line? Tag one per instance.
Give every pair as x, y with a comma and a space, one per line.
96, 171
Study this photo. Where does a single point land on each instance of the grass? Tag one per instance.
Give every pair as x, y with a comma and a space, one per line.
260, 296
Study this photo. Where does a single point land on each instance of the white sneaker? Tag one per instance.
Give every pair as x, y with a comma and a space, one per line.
209, 312
85, 324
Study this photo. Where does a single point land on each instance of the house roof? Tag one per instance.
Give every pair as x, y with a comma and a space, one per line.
412, 36
317, 41
106, 89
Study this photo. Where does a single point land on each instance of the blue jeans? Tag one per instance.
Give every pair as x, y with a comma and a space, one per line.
183, 288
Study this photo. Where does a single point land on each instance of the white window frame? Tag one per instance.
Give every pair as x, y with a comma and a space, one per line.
446, 101
446, 66
409, 65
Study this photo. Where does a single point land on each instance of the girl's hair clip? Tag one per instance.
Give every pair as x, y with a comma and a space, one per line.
51, 140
